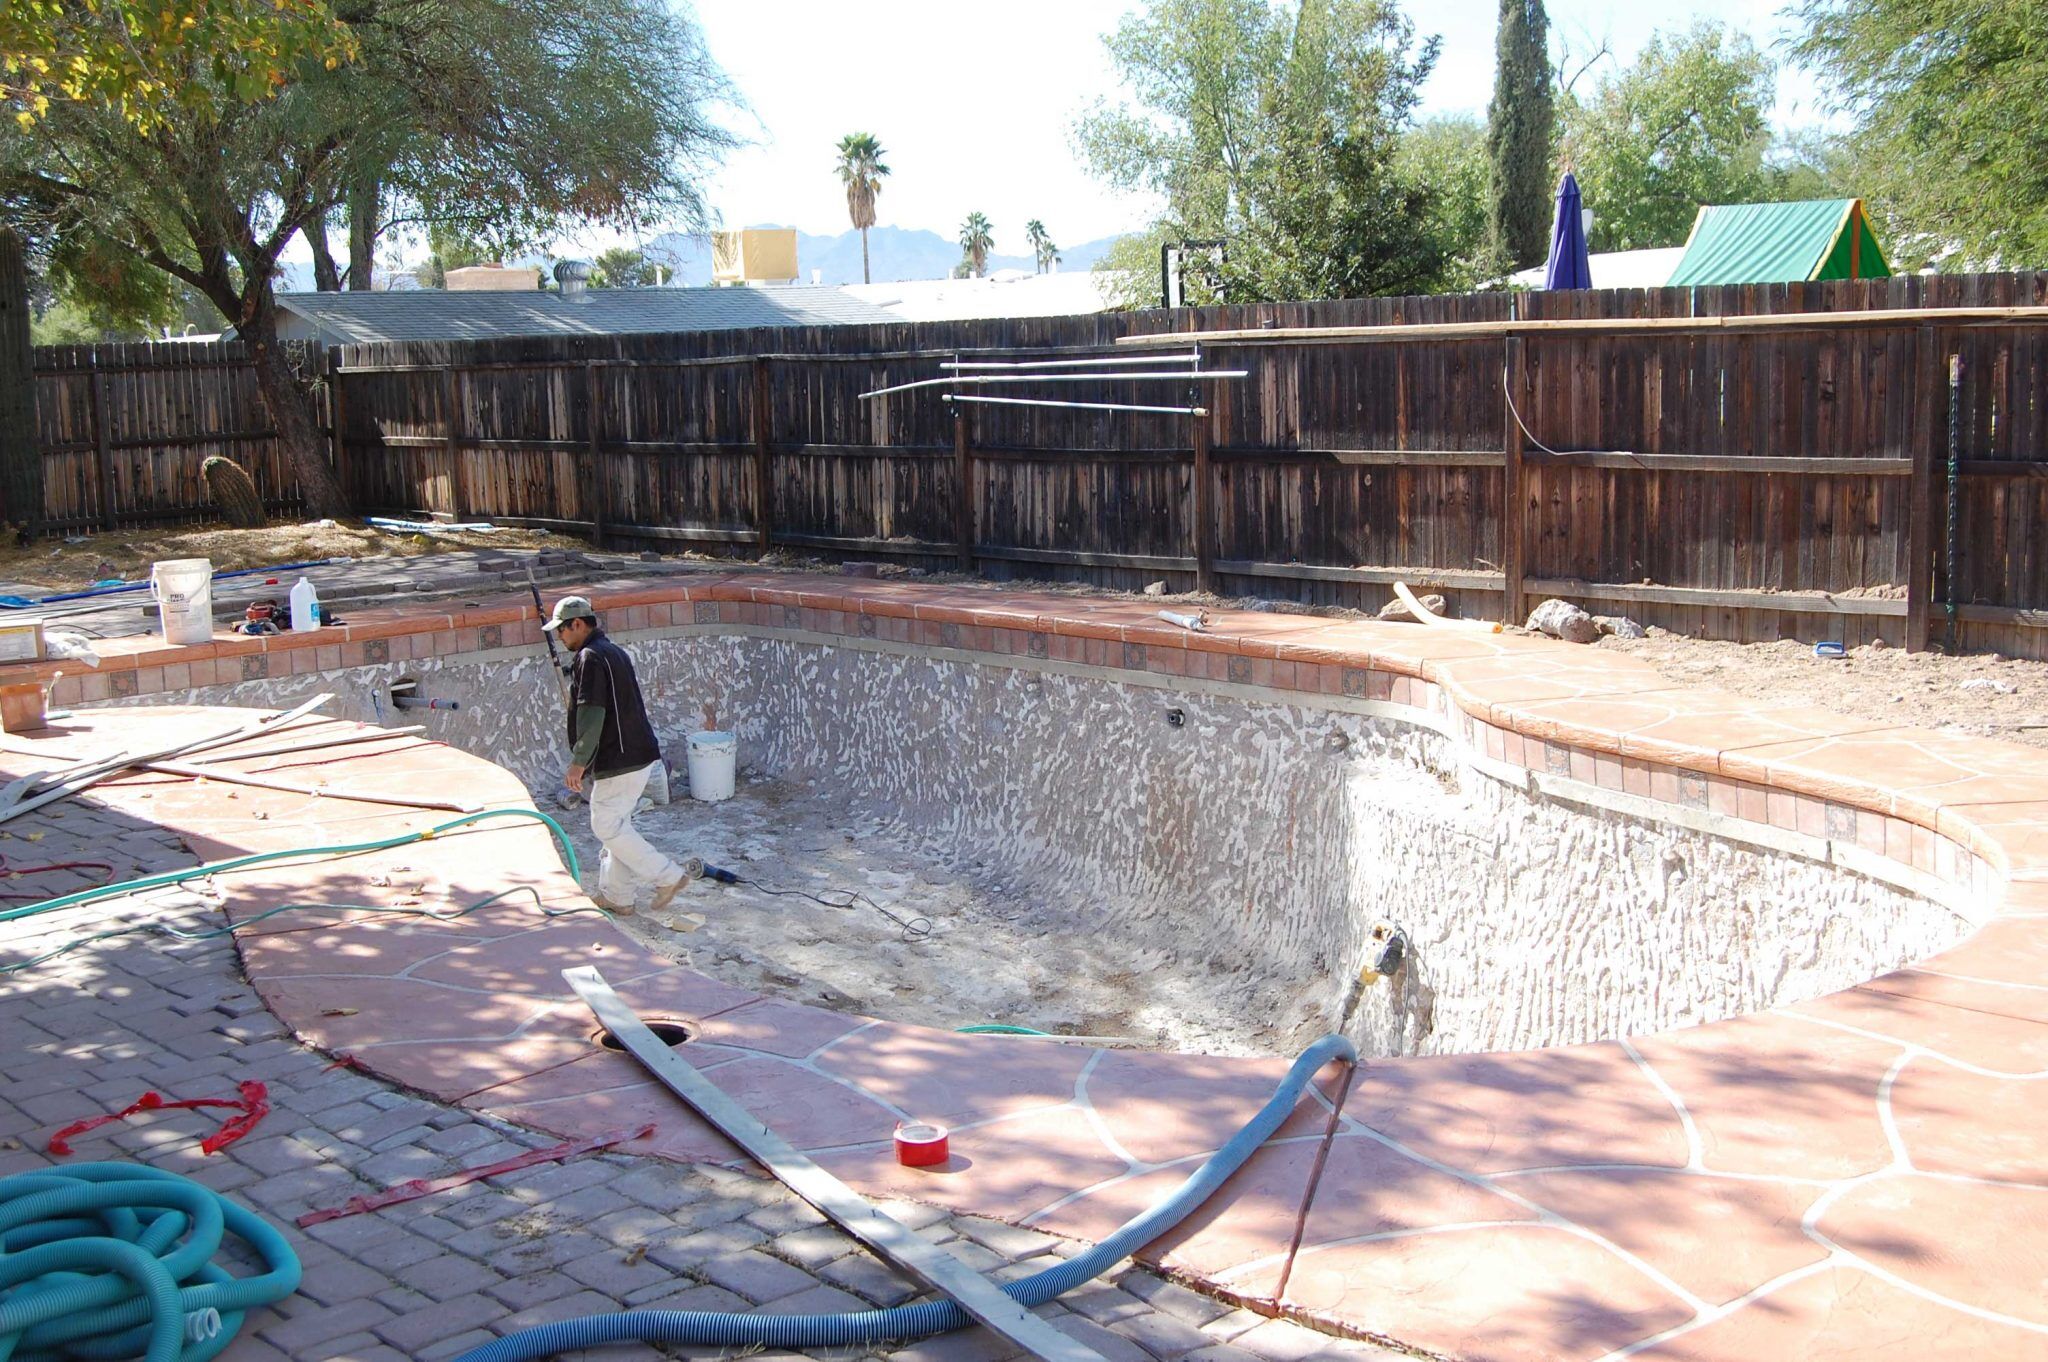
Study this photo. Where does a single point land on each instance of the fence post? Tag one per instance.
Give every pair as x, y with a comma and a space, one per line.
102, 440
963, 478
337, 421
590, 477
762, 415
21, 462
451, 432
1930, 395
1205, 510
1513, 516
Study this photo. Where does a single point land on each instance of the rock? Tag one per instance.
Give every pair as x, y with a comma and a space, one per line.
1620, 626
1155, 588
1878, 644
1562, 619
1397, 609
861, 569
1984, 685
649, 556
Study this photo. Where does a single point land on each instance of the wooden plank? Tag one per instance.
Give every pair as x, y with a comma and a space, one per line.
1602, 326
1203, 528
1786, 602
887, 1236
1930, 395
914, 548
963, 487
761, 415
337, 423
590, 473
1142, 562
458, 475
1722, 463
1514, 496
110, 515
1461, 579
1363, 458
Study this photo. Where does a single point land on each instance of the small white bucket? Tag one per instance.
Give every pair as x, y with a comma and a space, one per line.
713, 758
183, 588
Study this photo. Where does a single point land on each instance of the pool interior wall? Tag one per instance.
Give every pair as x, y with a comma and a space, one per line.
1258, 842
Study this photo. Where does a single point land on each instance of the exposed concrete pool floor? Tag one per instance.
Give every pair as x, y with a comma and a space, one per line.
1859, 1176
995, 952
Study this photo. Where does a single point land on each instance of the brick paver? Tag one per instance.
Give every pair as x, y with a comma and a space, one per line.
429, 1279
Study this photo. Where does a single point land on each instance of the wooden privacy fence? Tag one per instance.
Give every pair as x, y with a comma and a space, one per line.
1786, 476
123, 430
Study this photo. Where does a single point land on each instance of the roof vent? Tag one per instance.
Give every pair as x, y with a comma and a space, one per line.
572, 275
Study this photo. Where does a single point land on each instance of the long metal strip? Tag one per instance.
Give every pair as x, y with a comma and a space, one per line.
1192, 357
1087, 406
956, 379
866, 1222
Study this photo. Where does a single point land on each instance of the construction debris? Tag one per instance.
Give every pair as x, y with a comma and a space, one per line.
1398, 609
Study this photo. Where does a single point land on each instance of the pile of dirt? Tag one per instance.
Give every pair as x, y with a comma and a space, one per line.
84, 559
1981, 693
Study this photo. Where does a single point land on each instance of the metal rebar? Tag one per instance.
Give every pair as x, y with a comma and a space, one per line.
1087, 406
1054, 378
1192, 357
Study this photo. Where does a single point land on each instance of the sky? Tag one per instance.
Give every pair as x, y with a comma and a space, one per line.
975, 104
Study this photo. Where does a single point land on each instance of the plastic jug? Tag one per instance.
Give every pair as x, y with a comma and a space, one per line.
305, 606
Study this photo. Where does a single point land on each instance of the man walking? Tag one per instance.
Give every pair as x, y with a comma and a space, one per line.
613, 756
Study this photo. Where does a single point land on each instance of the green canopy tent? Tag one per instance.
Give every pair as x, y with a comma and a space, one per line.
1780, 243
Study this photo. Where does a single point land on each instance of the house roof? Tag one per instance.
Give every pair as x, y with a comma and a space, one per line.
432, 314
1617, 269
1005, 294
1780, 243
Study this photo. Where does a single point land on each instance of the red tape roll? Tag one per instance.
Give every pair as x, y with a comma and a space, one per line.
921, 1145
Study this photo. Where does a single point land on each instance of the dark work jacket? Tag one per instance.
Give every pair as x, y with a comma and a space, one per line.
603, 676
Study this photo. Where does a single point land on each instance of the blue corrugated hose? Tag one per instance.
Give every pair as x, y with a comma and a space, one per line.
708, 1328
115, 1260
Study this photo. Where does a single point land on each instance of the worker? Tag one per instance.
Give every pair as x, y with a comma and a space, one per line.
613, 759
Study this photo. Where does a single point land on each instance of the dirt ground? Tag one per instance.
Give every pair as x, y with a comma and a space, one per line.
1060, 972
1993, 696
67, 565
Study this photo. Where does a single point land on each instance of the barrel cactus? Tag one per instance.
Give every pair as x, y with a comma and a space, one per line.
234, 491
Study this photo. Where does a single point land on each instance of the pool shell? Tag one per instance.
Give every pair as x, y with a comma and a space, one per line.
1820, 1179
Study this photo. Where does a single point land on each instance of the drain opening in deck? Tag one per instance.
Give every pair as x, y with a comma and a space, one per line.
670, 1033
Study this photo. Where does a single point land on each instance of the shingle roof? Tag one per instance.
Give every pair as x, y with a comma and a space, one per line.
431, 314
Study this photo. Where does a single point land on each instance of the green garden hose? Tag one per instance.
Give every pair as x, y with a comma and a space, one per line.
111, 1260
200, 872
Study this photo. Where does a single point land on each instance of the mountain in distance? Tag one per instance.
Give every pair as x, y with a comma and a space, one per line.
894, 253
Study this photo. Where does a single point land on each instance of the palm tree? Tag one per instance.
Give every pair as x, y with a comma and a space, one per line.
1041, 245
977, 238
861, 171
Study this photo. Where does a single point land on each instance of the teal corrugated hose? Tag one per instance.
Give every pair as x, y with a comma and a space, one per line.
114, 1260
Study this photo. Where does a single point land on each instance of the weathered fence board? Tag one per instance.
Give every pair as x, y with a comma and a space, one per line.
1751, 481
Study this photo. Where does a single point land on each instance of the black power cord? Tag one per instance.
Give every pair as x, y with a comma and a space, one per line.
914, 929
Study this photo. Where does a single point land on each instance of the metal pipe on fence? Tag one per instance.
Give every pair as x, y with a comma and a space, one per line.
1192, 357
1079, 406
1059, 377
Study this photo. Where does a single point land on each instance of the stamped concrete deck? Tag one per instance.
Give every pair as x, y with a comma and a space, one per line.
1859, 1176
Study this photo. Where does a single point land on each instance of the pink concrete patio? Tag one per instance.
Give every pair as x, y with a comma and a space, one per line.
1860, 1176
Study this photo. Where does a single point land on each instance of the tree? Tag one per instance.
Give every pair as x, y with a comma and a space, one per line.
517, 116
621, 267
1949, 136
1686, 124
149, 63
1274, 127
1042, 250
861, 171
1519, 127
977, 239
1449, 155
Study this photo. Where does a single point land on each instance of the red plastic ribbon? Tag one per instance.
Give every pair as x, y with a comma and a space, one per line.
252, 1105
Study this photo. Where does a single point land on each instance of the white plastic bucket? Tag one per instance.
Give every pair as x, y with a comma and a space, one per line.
713, 758
183, 588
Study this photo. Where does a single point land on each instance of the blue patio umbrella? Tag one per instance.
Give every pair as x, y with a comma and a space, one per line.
1568, 267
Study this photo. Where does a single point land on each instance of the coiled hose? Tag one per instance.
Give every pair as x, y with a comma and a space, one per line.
709, 1328
114, 1260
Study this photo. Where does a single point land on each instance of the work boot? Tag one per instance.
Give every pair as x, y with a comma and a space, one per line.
614, 908
689, 870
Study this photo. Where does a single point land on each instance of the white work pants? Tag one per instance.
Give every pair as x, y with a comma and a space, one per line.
629, 862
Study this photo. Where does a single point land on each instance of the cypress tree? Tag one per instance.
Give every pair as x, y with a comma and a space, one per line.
1518, 136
